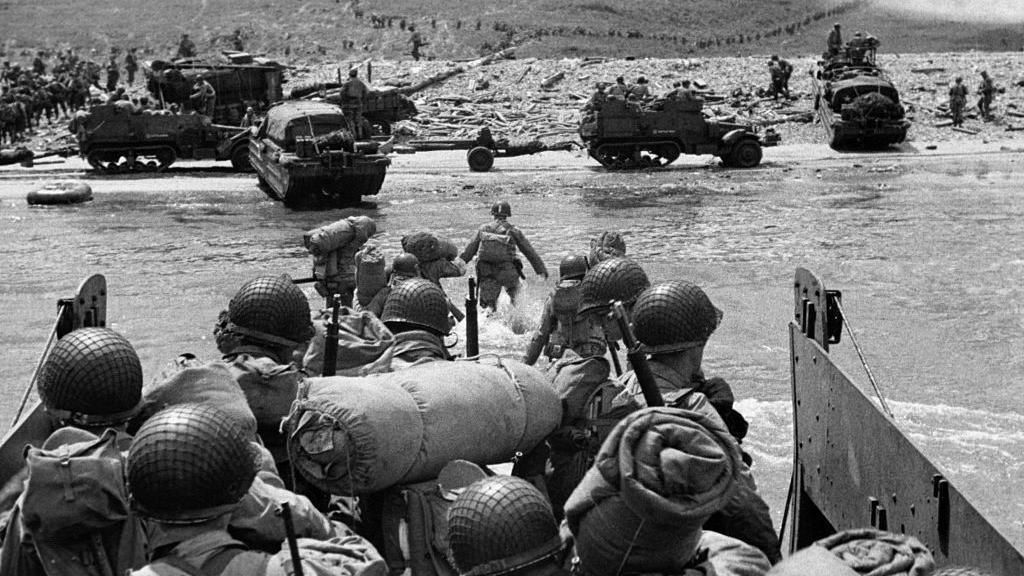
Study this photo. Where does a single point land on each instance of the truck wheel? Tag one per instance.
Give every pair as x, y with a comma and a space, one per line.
480, 159
746, 154
240, 159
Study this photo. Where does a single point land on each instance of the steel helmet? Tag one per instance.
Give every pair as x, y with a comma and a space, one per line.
501, 209
613, 279
500, 524
190, 462
271, 309
418, 302
92, 377
573, 266
405, 264
674, 316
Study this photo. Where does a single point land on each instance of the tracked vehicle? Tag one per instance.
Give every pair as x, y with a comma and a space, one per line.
623, 135
306, 154
856, 102
117, 139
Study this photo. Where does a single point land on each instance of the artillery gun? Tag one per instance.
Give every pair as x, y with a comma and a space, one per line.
482, 150
856, 102
623, 134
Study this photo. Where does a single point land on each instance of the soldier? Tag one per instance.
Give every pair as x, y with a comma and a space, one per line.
958, 100
560, 330
267, 320
640, 90
236, 40
186, 47
249, 119
404, 267
203, 98
643, 507
504, 525
38, 66
673, 322
188, 468
334, 248
417, 42
113, 74
416, 312
353, 94
438, 258
131, 65
987, 89
835, 40
597, 99
498, 266
90, 386
619, 89
785, 70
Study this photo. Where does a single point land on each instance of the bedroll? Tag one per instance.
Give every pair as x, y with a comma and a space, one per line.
361, 435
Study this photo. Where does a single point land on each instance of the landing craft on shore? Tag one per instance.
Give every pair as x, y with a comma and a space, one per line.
841, 476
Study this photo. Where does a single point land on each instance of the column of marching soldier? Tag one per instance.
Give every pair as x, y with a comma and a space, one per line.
179, 478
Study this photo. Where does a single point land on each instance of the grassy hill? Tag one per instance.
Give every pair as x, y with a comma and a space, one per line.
312, 30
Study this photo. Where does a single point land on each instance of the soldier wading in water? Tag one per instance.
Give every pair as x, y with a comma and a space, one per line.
495, 246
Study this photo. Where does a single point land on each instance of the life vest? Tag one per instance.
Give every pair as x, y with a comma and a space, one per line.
497, 247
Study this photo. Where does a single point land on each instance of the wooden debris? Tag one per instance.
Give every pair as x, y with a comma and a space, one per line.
943, 124
966, 130
552, 80
928, 70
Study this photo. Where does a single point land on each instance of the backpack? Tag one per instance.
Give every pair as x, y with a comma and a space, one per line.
75, 506
220, 563
497, 247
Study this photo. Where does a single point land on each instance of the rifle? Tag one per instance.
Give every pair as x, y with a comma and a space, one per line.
308, 280
293, 541
613, 348
331, 342
472, 326
637, 358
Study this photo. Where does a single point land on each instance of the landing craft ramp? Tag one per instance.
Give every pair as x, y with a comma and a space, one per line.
853, 467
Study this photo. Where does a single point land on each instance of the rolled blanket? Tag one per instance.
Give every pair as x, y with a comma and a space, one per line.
861, 552
658, 476
876, 553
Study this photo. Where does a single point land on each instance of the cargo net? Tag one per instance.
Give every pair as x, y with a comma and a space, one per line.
336, 140
872, 107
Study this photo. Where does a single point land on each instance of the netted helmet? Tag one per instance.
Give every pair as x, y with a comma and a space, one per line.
503, 209
499, 524
271, 309
418, 302
405, 264
189, 463
573, 266
92, 377
613, 279
674, 316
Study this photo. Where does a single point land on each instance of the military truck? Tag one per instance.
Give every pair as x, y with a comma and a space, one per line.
623, 134
117, 138
856, 103
305, 155
239, 81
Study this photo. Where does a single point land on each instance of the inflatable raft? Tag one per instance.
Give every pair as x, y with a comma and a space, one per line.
64, 192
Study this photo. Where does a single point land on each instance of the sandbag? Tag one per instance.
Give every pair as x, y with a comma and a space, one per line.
361, 435
370, 276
